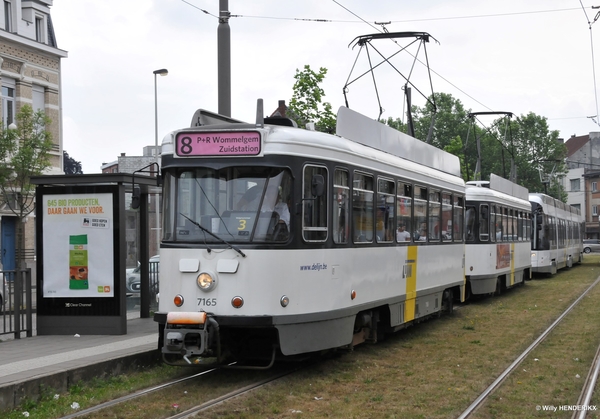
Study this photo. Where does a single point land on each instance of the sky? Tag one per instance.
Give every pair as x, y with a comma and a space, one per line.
512, 56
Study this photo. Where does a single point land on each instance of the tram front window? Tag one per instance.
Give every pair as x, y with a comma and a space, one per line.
235, 204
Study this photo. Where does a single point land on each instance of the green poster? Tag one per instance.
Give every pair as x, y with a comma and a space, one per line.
78, 262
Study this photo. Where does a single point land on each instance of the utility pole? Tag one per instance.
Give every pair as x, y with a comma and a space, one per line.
224, 59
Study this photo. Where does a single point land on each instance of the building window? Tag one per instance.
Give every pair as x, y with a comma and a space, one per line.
574, 185
8, 102
39, 29
7, 16
594, 186
39, 103
594, 209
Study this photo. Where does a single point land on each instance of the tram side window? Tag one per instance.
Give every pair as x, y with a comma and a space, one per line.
512, 225
457, 225
548, 240
446, 217
168, 202
314, 203
340, 206
362, 208
561, 233
420, 216
505, 224
495, 225
385, 210
434, 216
404, 210
484, 223
470, 223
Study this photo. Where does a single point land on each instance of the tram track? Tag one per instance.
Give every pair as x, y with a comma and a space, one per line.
137, 395
211, 403
273, 375
588, 386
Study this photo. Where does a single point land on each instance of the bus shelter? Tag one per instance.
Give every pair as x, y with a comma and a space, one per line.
80, 252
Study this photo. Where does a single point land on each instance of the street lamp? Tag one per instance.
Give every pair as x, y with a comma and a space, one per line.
162, 72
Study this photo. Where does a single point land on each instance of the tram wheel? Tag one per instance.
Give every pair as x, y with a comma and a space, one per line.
498, 287
448, 302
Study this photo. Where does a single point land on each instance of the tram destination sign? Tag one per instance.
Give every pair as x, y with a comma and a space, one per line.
233, 143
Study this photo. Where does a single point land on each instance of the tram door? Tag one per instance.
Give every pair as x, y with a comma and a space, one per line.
8, 243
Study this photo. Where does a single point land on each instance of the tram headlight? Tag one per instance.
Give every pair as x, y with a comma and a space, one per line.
206, 281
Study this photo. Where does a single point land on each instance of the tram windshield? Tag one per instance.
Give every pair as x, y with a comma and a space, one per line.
233, 204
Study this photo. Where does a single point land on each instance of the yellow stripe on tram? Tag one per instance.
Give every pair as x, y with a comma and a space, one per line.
411, 283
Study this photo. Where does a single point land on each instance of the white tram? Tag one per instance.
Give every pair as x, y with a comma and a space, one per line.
498, 230
281, 240
557, 238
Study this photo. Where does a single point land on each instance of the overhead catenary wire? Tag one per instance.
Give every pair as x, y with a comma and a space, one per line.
592, 52
373, 25
389, 21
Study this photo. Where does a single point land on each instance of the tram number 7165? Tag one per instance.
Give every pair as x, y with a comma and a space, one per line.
209, 302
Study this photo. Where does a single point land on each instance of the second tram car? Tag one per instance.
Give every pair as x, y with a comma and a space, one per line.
498, 230
557, 236
282, 240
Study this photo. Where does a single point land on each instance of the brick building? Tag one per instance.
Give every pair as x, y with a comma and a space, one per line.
29, 74
583, 179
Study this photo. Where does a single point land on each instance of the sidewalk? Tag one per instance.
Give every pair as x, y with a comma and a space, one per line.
53, 363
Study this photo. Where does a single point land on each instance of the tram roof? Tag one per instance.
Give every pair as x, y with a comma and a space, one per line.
505, 186
363, 130
546, 200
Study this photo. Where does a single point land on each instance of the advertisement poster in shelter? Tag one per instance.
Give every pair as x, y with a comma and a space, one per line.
78, 245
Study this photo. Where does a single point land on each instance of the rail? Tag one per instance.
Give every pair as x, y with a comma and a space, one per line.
16, 303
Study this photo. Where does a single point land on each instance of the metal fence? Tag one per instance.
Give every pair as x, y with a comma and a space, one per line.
16, 303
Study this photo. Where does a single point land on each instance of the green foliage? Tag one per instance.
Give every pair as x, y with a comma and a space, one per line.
538, 155
455, 146
450, 120
24, 152
70, 165
306, 103
539, 158
397, 124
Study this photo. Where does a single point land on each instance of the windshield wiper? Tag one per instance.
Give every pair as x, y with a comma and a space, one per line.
212, 234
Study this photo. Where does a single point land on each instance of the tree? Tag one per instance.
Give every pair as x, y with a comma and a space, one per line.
24, 152
450, 120
396, 123
305, 105
71, 166
538, 155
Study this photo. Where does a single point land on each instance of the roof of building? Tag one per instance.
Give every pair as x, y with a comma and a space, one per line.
575, 143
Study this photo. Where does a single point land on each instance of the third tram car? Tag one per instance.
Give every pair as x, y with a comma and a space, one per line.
498, 230
281, 240
557, 237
